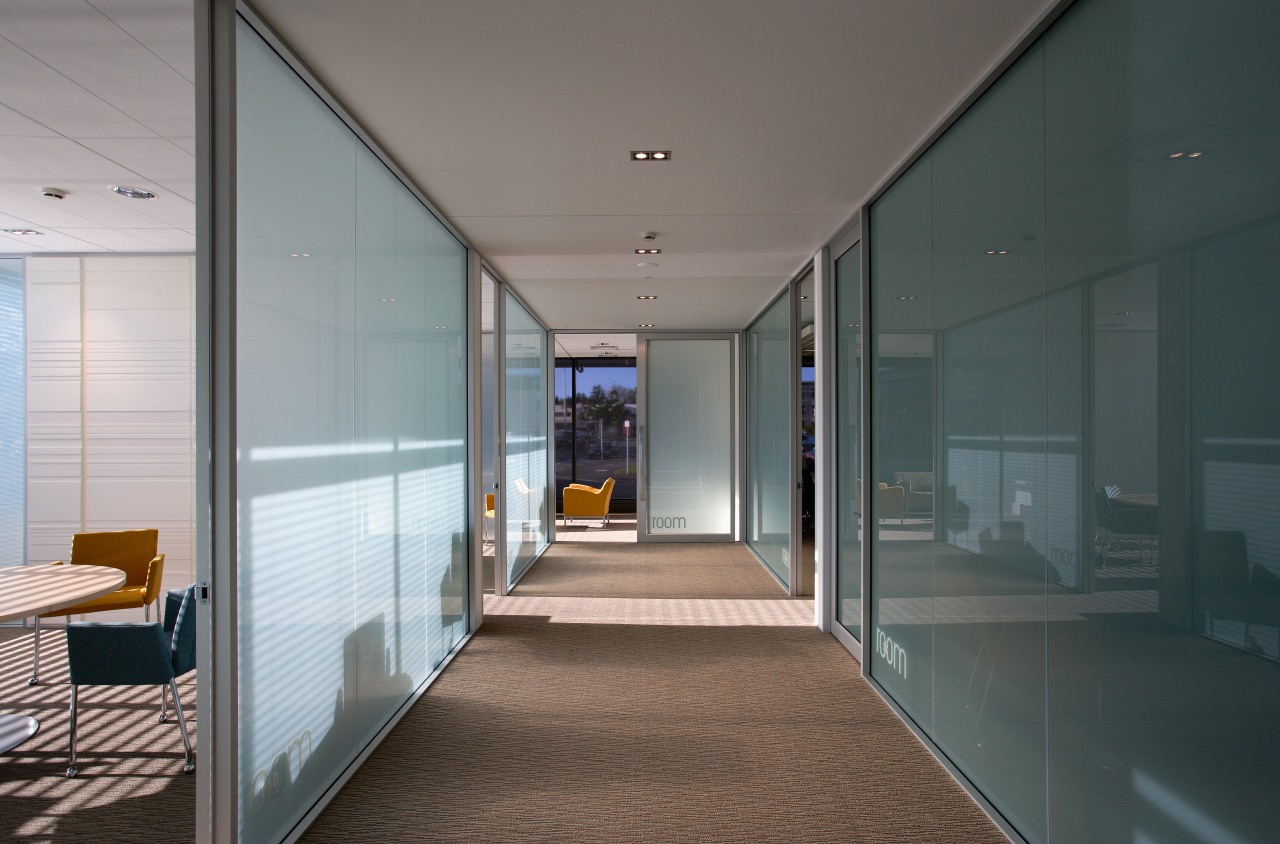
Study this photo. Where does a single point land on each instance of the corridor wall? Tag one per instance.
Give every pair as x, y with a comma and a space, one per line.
1072, 293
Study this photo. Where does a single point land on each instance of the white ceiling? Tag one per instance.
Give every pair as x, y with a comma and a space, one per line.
95, 93
516, 118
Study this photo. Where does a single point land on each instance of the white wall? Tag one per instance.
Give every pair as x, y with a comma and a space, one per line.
110, 414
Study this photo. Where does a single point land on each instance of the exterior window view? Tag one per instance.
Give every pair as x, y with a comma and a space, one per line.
791, 421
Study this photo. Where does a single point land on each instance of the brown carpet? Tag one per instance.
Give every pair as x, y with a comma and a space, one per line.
575, 732
131, 787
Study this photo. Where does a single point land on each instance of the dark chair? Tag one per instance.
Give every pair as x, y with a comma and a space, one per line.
1119, 519
136, 654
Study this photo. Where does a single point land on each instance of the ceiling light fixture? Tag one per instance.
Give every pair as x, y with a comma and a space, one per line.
1195, 155
391, 299
299, 254
22, 231
648, 251
1176, 154
647, 298
1124, 313
804, 297
441, 327
905, 298
645, 325
132, 192
650, 155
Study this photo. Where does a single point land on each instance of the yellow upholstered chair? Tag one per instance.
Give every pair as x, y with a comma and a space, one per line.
490, 515
587, 502
892, 502
131, 551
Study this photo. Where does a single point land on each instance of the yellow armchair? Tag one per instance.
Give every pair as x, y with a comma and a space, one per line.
131, 551
587, 502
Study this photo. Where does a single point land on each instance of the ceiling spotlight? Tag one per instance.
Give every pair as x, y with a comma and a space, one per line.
804, 297
1003, 252
391, 299
645, 325
648, 251
639, 156
905, 298
132, 192
1195, 155
299, 254
651, 155
647, 297
1176, 154
22, 231
441, 327
660, 155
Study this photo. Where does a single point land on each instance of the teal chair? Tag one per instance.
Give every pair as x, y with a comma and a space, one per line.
136, 654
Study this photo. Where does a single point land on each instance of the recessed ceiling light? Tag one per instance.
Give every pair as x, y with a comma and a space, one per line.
645, 325
804, 297
1176, 154
132, 192
1195, 155
648, 251
299, 254
650, 155
639, 156
660, 155
1003, 252
391, 299
1124, 313
441, 327
905, 298
646, 297
22, 231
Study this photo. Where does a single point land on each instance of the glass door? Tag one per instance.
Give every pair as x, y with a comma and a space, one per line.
687, 401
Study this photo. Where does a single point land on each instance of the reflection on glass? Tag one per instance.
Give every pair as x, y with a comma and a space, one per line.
768, 464
1074, 293
689, 405
848, 399
527, 444
351, 425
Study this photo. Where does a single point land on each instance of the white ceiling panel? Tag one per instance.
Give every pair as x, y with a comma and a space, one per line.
13, 123
178, 240
39, 92
163, 28
39, 212
17, 245
55, 241
89, 49
121, 240
682, 303
167, 166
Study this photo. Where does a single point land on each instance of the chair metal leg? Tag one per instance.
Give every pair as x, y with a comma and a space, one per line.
146, 612
182, 725
72, 770
34, 679
164, 703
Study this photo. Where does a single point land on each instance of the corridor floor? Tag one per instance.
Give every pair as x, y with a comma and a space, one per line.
651, 693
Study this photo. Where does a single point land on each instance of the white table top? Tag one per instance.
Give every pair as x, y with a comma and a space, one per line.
35, 590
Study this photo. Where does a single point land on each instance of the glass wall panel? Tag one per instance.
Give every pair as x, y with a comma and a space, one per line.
13, 415
848, 399
1087, 622
527, 444
690, 437
596, 426
351, 428
768, 430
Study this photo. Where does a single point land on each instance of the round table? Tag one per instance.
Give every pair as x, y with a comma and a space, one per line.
36, 590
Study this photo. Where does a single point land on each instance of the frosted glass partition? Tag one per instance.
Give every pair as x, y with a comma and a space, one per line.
13, 419
1073, 297
351, 427
848, 402
526, 412
768, 433
688, 418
